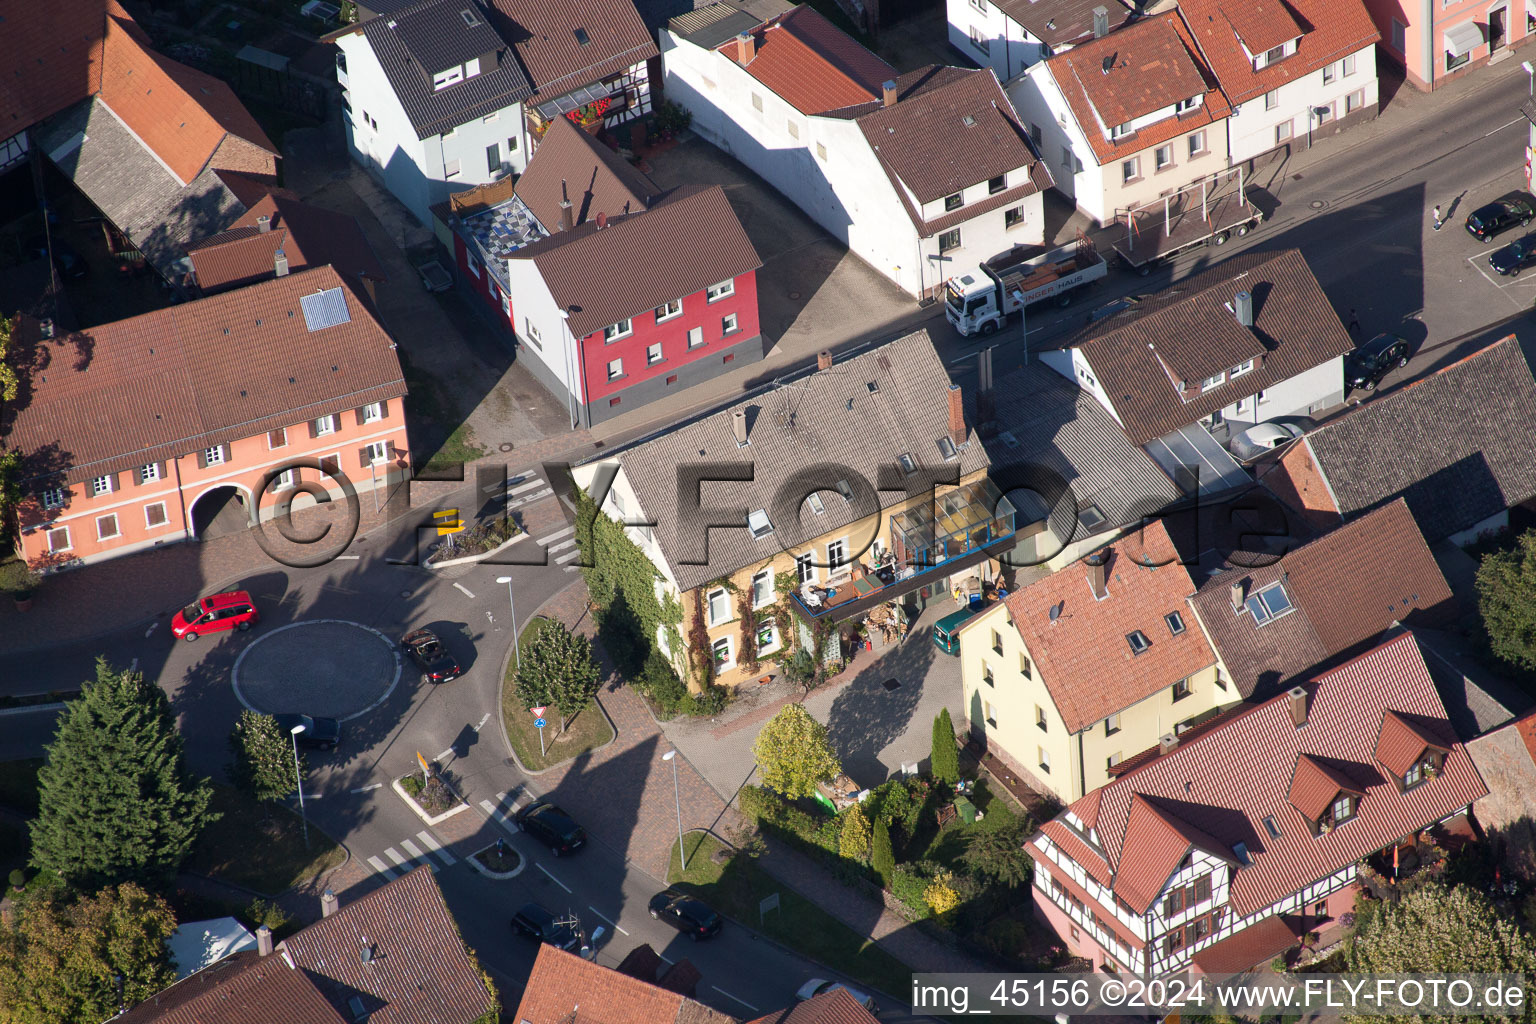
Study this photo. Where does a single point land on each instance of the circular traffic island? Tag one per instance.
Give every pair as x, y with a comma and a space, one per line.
326, 668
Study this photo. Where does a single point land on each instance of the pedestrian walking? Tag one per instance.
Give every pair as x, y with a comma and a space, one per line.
1354, 324
1437, 217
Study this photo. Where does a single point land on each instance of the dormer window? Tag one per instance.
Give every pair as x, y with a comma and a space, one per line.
1243, 367
1120, 131
443, 79
1274, 54
1185, 106
1426, 767
1342, 810
1214, 382
954, 202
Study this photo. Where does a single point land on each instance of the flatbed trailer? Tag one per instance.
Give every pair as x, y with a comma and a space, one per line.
1208, 212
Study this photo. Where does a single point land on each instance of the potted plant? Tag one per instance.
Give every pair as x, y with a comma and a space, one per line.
19, 580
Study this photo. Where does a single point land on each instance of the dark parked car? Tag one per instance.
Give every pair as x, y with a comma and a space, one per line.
690, 916
320, 733
1515, 256
429, 654
552, 827
1486, 221
542, 925
1366, 365
66, 261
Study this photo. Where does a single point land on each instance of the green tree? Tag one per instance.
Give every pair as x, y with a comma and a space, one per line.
9, 383
558, 671
998, 853
853, 840
117, 800
1506, 595
60, 961
1439, 928
263, 758
881, 857
793, 752
940, 896
945, 764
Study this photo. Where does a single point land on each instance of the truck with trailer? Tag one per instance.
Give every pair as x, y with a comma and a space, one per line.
978, 300
1207, 212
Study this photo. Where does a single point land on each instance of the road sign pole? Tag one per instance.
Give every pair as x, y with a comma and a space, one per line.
541, 739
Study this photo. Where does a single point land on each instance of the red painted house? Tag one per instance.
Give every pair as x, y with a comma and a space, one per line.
618, 292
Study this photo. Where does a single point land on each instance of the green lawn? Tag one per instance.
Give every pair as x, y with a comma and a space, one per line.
18, 785
946, 847
736, 888
244, 848
460, 447
587, 731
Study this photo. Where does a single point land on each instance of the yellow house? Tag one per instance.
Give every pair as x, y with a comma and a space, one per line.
1098, 662
858, 484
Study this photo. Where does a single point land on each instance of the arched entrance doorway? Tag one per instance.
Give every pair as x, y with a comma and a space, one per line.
219, 511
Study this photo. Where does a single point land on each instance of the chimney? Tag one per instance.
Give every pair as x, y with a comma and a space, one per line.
1236, 591
1098, 573
739, 427
1167, 743
1242, 306
1296, 703
956, 415
567, 219
263, 223
329, 904
280, 263
264, 941
888, 94
824, 359
1100, 22
746, 48
602, 221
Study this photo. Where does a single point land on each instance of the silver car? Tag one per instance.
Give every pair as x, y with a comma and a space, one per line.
816, 986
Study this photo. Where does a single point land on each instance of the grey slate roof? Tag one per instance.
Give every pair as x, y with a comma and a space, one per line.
1054, 431
433, 112
437, 36
1459, 443
806, 433
712, 24
132, 187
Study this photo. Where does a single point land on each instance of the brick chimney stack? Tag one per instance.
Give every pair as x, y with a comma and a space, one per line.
956, 415
824, 359
1098, 573
1296, 703
1167, 743
329, 904
567, 219
888, 94
264, 941
746, 48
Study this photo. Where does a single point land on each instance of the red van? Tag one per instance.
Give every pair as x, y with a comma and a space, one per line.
214, 614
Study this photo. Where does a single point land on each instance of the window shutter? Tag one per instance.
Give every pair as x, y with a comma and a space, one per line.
384, 410
393, 453
160, 468
360, 413
314, 431
202, 458
117, 482
362, 457
228, 453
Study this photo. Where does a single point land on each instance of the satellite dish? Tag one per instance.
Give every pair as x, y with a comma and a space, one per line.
1056, 610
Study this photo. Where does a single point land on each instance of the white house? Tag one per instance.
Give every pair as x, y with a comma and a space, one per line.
1010, 35
443, 95
1294, 72
912, 173
1247, 341
1125, 118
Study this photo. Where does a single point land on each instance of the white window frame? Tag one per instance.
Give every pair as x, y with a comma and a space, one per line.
709, 606
149, 473
165, 518
277, 430
1347, 66
1242, 367
695, 337
1158, 163
117, 527
378, 453
443, 79
68, 544
834, 564
773, 635
1130, 170
653, 354
471, 69
615, 369
1284, 132
805, 567
1329, 74
669, 311
721, 290
285, 481
623, 329
1120, 131
768, 590
1272, 100
102, 485
759, 525
1214, 381
945, 245
729, 662
1197, 144
325, 426
373, 412
730, 324
452, 168
214, 456
54, 497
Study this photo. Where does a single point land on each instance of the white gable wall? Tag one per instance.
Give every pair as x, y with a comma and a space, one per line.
1252, 126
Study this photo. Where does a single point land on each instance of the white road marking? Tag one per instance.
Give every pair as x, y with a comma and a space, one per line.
562, 545
412, 849
1477, 264
605, 917
1501, 127
364, 789
552, 878
430, 842
528, 498
558, 534
151, 628
394, 855
443, 754
520, 488
483, 720
573, 568
740, 1000
378, 866
568, 556
348, 558
461, 588
497, 816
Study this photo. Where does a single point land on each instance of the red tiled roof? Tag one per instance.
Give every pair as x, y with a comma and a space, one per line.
562, 982
181, 114
1155, 66
544, 35
52, 58
1329, 30
1228, 780
813, 65
1257, 944
230, 366
832, 1007
1084, 658
570, 163
1162, 840
693, 225
241, 988
1403, 739
1314, 784
1092, 861
307, 235
420, 972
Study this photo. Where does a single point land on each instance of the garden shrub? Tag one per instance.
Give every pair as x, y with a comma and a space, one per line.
1006, 937
908, 885
661, 684
709, 701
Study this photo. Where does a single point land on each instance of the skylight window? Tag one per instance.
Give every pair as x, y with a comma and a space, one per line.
1271, 826
1269, 603
947, 449
1138, 641
759, 523
845, 490
1175, 623
582, 39
908, 466
469, 18
815, 502
1090, 517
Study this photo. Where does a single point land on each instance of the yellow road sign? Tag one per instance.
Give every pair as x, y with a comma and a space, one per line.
423, 761
448, 521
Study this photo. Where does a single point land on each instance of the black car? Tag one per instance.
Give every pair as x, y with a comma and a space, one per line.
66, 261
1366, 365
1515, 256
429, 654
552, 827
542, 925
1486, 221
320, 733
690, 916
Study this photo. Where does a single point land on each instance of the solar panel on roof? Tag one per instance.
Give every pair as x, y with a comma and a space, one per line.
325, 309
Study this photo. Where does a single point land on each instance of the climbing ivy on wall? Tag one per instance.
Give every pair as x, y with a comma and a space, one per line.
623, 585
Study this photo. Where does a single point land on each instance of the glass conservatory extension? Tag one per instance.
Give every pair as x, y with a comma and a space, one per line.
956, 523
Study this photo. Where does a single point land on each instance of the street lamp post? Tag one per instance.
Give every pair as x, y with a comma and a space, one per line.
512, 603
682, 853
298, 777
570, 362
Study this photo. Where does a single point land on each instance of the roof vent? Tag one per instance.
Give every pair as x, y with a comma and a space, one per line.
279, 265
392, 23
45, 327
1296, 703
1167, 743
1100, 22
1242, 306
469, 18
968, 121
329, 904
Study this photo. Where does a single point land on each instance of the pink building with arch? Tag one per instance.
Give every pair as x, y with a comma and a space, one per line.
137, 433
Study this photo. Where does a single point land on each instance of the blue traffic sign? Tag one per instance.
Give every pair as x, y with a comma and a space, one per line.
538, 723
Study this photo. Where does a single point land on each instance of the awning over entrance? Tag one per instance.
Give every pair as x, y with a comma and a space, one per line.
1463, 38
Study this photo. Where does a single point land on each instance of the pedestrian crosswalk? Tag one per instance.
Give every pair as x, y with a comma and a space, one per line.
561, 546
523, 490
399, 864
502, 810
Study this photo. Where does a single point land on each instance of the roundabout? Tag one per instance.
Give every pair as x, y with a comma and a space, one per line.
328, 668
